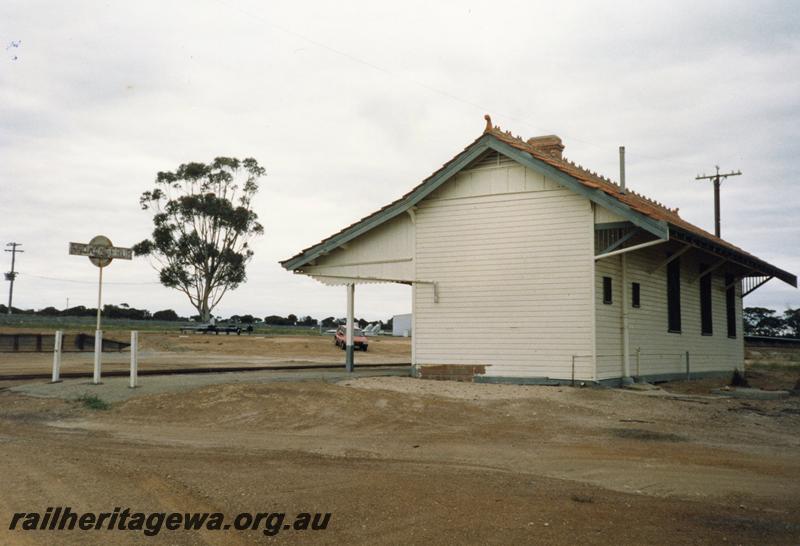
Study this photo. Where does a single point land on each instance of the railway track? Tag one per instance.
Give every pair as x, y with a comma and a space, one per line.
192, 371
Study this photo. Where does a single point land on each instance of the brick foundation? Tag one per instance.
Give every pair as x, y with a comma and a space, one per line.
450, 372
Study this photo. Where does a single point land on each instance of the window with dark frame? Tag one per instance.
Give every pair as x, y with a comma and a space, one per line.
674, 296
635, 295
730, 304
607, 296
706, 317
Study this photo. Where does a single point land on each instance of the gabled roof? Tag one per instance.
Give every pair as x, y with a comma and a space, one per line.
647, 214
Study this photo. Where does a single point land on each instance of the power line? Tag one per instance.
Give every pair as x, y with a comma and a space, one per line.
481, 108
89, 282
11, 275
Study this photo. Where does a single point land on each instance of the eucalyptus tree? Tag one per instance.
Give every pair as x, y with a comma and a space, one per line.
203, 225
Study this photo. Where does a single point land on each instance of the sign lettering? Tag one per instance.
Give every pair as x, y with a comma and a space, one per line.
98, 251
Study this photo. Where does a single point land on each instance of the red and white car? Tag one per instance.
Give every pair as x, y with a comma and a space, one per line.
359, 339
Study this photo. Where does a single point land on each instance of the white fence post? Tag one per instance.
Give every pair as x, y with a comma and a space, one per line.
134, 360
98, 351
57, 356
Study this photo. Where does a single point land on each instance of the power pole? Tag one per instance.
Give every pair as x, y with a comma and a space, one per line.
10, 276
717, 178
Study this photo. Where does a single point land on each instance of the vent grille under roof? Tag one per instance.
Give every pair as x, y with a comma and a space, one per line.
489, 160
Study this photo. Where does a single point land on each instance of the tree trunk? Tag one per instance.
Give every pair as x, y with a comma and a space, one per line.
205, 312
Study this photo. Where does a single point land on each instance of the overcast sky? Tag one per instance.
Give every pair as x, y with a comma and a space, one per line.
349, 104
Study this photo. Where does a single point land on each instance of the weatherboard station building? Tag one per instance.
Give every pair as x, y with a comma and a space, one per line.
528, 268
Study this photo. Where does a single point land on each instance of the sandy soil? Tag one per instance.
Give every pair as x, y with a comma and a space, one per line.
769, 378
174, 351
400, 460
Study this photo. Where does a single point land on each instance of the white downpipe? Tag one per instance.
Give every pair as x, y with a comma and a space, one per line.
593, 294
57, 356
98, 351
626, 364
134, 360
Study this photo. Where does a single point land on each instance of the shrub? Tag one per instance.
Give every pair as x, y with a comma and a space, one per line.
93, 402
166, 314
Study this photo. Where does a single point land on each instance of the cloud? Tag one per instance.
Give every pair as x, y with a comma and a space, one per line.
350, 105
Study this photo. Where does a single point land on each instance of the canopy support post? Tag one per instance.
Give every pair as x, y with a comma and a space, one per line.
351, 289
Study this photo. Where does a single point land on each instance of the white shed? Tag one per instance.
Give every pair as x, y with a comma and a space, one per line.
401, 325
528, 268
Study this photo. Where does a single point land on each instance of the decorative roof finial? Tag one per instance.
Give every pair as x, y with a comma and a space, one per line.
488, 119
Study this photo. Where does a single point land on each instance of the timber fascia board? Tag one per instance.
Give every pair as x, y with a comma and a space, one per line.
658, 228
401, 206
486, 142
750, 262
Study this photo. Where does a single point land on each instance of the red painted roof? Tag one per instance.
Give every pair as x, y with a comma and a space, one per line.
637, 202
590, 179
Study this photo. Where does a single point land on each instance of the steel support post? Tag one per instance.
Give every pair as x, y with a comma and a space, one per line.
351, 289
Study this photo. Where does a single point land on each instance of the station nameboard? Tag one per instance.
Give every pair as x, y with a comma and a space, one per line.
98, 251
101, 251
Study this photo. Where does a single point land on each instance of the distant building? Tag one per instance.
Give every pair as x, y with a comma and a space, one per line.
401, 325
526, 267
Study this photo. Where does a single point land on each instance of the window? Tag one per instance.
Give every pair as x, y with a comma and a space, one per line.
674, 295
607, 290
635, 294
706, 318
730, 304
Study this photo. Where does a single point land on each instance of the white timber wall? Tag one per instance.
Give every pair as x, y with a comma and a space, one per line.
386, 252
663, 352
511, 253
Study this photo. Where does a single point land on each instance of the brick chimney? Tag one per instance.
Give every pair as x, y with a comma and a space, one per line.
548, 144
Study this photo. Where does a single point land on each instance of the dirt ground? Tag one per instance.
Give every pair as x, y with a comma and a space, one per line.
768, 378
176, 351
401, 460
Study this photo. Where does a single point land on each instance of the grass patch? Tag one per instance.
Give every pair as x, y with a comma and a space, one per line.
646, 435
93, 402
